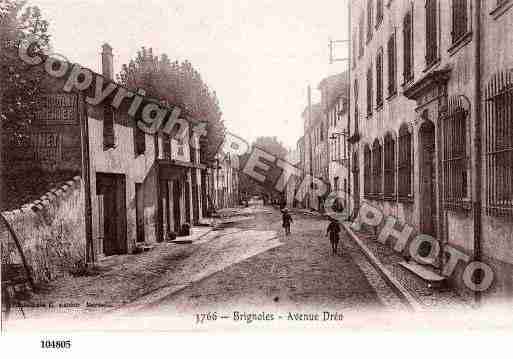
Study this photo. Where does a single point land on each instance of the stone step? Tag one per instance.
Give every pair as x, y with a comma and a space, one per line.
425, 272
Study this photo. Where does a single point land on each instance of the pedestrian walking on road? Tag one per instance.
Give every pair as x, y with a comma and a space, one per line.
333, 233
287, 220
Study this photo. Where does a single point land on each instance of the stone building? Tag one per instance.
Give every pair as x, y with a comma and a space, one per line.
334, 102
137, 188
315, 152
431, 123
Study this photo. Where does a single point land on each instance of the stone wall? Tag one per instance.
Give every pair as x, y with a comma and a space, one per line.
51, 231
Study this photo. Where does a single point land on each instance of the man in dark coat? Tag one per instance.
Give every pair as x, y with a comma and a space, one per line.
287, 220
333, 233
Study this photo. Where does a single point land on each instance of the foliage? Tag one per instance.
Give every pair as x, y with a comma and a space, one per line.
19, 83
247, 185
180, 84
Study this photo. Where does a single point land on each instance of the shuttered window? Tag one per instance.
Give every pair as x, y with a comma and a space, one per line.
367, 171
404, 167
166, 144
370, 16
389, 166
379, 78
407, 47
139, 141
431, 32
377, 157
498, 145
392, 66
459, 19
370, 84
109, 139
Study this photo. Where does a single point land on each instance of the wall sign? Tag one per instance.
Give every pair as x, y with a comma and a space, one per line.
57, 109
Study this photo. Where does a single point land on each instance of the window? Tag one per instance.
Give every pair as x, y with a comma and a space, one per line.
109, 139
498, 145
321, 132
166, 144
389, 165
369, 91
455, 154
139, 141
360, 30
369, 19
379, 78
404, 163
355, 43
392, 66
379, 12
408, 47
376, 167
459, 19
431, 32
367, 176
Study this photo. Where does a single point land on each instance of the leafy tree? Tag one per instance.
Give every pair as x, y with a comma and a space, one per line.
248, 186
180, 84
19, 82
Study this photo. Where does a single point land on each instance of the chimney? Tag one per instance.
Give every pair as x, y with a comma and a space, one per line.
107, 62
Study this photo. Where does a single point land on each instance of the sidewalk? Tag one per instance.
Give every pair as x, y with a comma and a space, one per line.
412, 288
115, 280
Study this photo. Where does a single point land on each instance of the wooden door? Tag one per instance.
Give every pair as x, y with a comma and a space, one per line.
112, 212
139, 211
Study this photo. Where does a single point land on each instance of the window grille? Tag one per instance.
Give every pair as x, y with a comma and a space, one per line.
370, 16
109, 139
377, 164
379, 12
360, 30
392, 66
454, 129
355, 44
459, 19
367, 175
404, 163
369, 91
431, 32
389, 166
498, 145
379, 78
408, 47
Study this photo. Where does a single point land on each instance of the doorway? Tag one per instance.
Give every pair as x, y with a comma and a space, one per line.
111, 194
139, 211
428, 207
356, 185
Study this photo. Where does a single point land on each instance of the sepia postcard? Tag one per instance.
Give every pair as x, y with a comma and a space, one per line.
172, 166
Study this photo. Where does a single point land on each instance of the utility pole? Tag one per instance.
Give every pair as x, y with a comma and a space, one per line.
310, 170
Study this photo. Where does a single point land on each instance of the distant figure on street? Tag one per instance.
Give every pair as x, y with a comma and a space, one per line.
287, 220
332, 232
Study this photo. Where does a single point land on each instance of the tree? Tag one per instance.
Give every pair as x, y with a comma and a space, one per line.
20, 84
251, 187
179, 84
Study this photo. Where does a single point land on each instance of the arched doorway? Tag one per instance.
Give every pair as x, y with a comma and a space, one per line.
428, 207
356, 184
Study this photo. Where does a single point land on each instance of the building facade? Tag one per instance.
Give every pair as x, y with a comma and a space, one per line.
136, 188
430, 87
335, 101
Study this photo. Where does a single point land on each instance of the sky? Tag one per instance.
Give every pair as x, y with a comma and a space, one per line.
259, 55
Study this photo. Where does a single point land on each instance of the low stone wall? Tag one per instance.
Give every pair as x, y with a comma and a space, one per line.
51, 231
